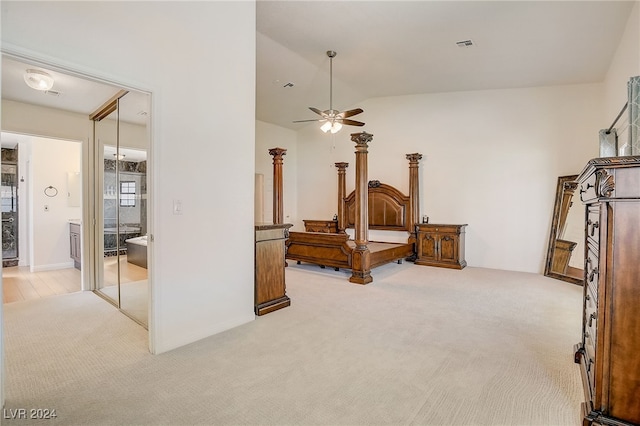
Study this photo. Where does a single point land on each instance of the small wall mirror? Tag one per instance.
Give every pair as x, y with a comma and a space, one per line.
565, 254
73, 189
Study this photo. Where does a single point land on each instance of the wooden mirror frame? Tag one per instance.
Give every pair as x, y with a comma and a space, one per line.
559, 251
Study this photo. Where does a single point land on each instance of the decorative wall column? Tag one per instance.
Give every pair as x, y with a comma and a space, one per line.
278, 209
414, 199
361, 257
342, 192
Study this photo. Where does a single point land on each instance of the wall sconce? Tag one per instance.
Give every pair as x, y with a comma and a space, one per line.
38, 80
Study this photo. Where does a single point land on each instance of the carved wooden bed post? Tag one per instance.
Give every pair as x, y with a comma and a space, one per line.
342, 192
414, 199
278, 210
361, 258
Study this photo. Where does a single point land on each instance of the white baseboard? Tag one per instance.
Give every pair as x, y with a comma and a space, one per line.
51, 267
174, 342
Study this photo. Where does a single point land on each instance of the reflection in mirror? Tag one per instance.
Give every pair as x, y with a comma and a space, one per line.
565, 254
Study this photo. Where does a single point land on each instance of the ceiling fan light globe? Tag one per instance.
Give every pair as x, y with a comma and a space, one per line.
336, 127
326, 127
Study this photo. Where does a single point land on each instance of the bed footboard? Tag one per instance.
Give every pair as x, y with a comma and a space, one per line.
320, 248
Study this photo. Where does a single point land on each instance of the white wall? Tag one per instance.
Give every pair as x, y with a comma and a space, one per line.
625, 64
198, 261
271, 136
29, 119
50, 228
491, 159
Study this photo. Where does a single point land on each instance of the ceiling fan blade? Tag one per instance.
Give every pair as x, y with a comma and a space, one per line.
350, 122
351, 112
317, 111
305, 121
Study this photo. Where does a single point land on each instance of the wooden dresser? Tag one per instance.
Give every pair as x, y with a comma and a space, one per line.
609, 351
440, 245
327, 226
270, 288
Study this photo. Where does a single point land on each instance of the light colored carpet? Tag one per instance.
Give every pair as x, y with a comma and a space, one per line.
134, 299
419, 345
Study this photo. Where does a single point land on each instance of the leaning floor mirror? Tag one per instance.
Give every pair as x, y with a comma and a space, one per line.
565, 255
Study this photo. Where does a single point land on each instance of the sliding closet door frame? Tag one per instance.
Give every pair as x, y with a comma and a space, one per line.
113, 220
88, 168
104, 111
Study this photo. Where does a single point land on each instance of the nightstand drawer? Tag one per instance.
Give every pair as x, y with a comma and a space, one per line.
326, 226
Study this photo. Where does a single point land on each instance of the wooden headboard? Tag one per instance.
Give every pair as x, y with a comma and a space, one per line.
388, 208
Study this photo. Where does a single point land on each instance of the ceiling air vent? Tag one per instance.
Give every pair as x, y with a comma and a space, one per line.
464, 43
52, 93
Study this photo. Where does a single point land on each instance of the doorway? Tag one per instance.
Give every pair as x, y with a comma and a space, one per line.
65, 111
121, 204
40, 203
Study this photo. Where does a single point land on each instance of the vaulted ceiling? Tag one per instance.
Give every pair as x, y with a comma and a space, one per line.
389, 48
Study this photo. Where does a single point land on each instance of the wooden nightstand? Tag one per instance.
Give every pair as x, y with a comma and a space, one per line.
440, 245
270, 287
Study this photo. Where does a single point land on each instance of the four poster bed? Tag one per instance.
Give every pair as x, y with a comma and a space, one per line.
372, 205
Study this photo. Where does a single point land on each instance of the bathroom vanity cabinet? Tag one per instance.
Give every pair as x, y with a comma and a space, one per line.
74, 244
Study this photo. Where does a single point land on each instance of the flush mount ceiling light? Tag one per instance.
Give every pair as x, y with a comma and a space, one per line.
38, 80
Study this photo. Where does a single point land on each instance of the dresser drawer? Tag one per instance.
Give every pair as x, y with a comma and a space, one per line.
590, 353
588, 189
590, 344
592, 273
590, 364
590, 324
590, 315
593, 223
591, 300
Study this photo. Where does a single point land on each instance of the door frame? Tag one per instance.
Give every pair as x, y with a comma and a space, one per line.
88, 171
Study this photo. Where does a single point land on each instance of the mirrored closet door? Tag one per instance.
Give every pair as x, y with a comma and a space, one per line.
121, 135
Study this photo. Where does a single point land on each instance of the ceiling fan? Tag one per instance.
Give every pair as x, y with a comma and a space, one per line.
332, 118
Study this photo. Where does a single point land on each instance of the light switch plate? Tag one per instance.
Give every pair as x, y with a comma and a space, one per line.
177, 206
